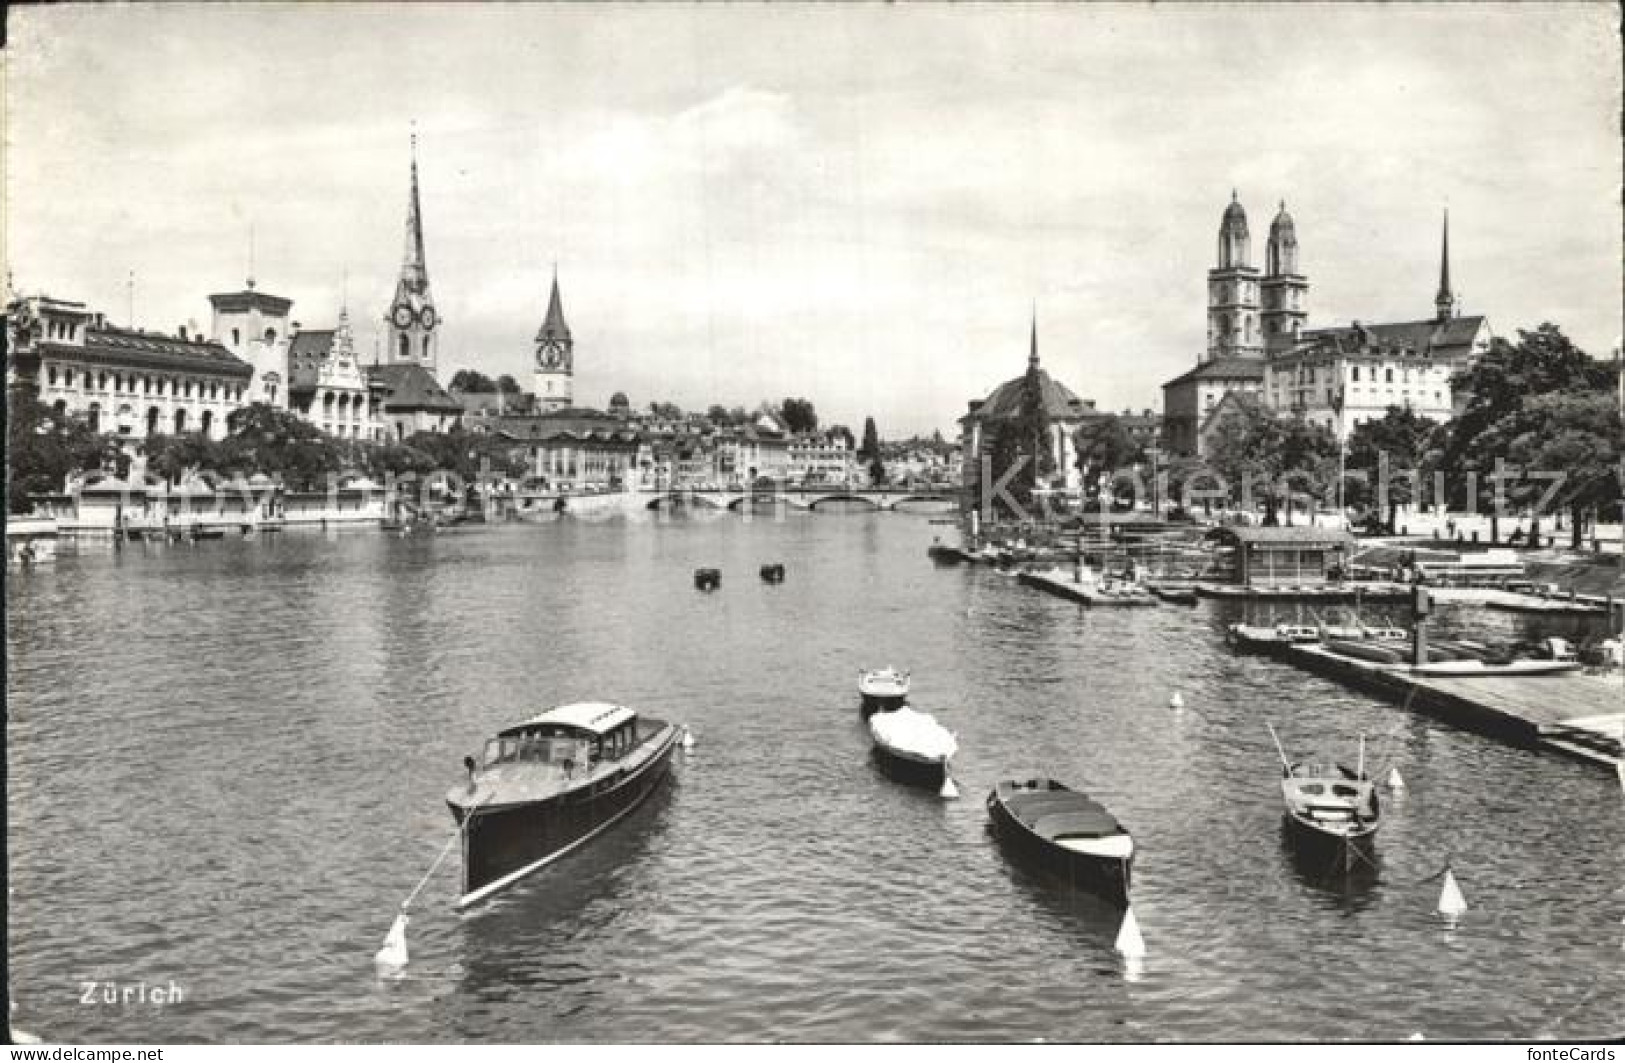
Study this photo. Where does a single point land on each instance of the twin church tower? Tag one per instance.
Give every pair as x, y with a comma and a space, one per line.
1251, 315
413, 322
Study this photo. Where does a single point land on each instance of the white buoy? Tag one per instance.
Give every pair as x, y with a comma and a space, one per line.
1395, 781
949, 791
688, 739
1177, 701
1130, 945
1451, 902
392, 957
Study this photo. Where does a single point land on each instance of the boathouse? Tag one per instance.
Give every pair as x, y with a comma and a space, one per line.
1271, 557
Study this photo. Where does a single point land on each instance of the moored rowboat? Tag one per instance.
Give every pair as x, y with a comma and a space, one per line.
1066, 832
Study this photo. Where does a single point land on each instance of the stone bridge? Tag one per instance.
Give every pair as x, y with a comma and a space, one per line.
812, 499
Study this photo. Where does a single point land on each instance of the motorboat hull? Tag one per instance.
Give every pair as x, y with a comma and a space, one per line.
1107, 877
1330, 849
501, 845
910, 769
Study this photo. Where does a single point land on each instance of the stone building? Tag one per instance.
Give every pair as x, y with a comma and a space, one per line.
127, 382
254, 326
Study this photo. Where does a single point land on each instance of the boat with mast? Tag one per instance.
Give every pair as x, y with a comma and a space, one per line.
1330, 811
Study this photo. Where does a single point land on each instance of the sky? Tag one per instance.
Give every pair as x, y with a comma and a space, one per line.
863, 205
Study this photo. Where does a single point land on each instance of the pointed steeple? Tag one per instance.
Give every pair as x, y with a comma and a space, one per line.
1032, 350
414, 268
553, 325
1445, 302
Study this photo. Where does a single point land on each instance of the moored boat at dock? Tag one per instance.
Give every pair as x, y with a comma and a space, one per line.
547, 786
913, 747
1066, 832
882, 689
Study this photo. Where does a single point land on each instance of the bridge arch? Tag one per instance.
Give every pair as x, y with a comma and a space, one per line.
861, 500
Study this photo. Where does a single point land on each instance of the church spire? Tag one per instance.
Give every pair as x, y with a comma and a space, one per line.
553, 324
1445, 302
414, 270
411, 317
1032, 350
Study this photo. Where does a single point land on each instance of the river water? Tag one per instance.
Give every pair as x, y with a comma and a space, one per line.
227, 764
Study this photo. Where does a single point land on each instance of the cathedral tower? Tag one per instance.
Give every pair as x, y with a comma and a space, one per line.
1232, 292
555, 355
412, 319
1284, 290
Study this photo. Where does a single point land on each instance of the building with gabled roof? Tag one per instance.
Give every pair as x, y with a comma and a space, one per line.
413, 400
329, 387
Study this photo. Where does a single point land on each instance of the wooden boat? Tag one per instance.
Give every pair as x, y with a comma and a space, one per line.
945, 555
882, 690
913, 747
1366, 651
1065, 832
545, 787
1477, 669
1174, 595
1330, 811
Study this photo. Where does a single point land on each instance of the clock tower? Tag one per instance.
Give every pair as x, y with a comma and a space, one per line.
555, 355
412, 321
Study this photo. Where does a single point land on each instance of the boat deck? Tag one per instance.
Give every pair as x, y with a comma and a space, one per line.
1576, 714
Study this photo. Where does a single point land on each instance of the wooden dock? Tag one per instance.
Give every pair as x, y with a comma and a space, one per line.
1579, 715
1062, 585
1308, 592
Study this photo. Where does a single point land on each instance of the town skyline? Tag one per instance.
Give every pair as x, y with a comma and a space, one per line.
757, 228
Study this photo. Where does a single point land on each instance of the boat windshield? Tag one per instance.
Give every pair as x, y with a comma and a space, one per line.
536, 748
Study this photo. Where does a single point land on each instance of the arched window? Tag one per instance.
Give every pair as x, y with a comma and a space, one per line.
270, 335
1390, 375
60, 407
94, 416
180, 421
236, 337
208, 421
406, 346
152, 420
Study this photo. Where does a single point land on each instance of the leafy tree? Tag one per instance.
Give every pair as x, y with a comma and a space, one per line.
1246, 448
281, 444
666, 411
843, 432
42, 448
508, 385
1499, 385
1105, 446
1405, 438
1575, 433
467, 380
799, 415
1308, 461
717, 415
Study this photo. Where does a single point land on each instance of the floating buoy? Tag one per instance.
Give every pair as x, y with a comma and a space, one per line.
392, 956
688, 739
1177, 701
949, 791
1395, 782
1130, 945
1451, 902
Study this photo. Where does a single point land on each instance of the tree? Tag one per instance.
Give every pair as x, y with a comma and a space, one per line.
1576, 434
1401, 437
280, 443
717, 415
666, 411
799, 415
1499, 385
870, 452
1245, 447
467, 380
1104, 447
43, 448
508, 385
841, 431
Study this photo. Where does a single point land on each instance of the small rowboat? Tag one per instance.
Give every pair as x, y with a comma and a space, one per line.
1066, 832
882, 689
913, 747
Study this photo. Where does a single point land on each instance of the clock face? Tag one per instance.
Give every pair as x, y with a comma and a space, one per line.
403, 317
426, 316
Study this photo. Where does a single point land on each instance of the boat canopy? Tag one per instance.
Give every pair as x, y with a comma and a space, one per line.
595, 717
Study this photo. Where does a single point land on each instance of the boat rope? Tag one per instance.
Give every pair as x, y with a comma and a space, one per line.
456, 836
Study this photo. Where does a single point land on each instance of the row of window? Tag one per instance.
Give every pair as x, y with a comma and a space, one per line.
148, 385
1306, 374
